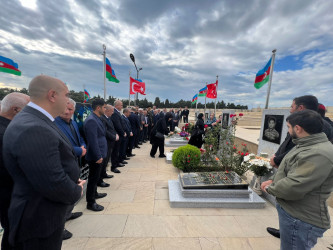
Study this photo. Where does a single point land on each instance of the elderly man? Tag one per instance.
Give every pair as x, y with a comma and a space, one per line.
44, 168
12, 104
111, 138
303, 183
129, 131
71, 130
116, 161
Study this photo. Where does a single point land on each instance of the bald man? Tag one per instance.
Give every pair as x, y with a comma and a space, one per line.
43, 166
12, 104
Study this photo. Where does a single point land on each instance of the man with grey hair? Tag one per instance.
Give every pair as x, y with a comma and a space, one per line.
43, 167
13, 103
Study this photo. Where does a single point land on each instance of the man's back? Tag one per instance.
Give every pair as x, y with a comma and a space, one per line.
43, 165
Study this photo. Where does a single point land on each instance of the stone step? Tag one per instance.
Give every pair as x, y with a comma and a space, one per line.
175, 145
177, 200
215, 193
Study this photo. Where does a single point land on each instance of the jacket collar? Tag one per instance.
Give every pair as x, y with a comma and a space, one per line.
310, 140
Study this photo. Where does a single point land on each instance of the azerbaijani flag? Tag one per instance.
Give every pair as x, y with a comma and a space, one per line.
203, 91
86, 96
9, 66
262, 76
110, 75
195, 99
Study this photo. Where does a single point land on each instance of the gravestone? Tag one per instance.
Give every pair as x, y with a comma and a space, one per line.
206, 115
273, 131
176, 141
226, 119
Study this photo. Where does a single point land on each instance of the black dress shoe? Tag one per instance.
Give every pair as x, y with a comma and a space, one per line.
108, 176
152, 156
162, 156
75, 215
140, 143
137, 146
126, 158
103, 184
115, 171
66, 234
120, 165
131, 155
95, 207
100, 195
124, 162
274, 232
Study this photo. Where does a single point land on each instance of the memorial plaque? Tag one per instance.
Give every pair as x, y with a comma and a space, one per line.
212, 180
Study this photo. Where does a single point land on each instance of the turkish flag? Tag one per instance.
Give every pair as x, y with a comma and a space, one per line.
137, 87
211, 90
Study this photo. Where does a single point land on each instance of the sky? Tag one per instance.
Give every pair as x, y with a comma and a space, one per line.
181, 46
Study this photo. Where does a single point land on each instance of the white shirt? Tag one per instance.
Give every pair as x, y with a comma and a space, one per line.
40, 109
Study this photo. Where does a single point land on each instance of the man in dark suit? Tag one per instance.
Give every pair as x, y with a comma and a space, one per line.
137, 139
11, 105
129, 131
117, 122
111, 138
71, 130
135, 125
186, 113
43, 167
96, 151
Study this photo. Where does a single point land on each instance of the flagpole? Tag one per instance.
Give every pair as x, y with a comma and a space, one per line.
205, 104
217, 77
129, 93
270, 78
196, 104
104, 70
84, 87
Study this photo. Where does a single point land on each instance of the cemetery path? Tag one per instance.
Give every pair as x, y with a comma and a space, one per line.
137, 216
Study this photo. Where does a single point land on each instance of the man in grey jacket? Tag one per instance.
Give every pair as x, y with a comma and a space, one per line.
303, 183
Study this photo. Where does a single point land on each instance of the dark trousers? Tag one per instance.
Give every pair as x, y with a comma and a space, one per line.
53, 242
149, 131
141, 135
5, 196
106, 161
94, 174
137, 138
157, 143
122, 148
115, 154
130, 145
145, 133
185, 119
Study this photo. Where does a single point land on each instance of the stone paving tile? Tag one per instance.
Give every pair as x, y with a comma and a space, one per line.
235, 244
176, 243
144, 195
210, 244
137, 184
255, 225
130, 208
119, 195
264, 243
74, 243
119, 243
98, 225
162, 194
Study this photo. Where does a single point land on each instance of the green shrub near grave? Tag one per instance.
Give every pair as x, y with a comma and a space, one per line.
186, 158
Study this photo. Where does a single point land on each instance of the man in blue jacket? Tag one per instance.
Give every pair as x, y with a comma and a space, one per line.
71, 130
95, 132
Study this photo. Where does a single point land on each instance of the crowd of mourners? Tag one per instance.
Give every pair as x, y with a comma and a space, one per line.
43, 152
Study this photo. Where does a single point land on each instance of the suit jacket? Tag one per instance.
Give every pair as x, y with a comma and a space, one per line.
118, 123
127, 123
96, 138
186, 113
110, 130
135, 123
63, 126
5, 178
43, 165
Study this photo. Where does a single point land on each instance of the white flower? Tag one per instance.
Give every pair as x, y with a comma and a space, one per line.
178, 130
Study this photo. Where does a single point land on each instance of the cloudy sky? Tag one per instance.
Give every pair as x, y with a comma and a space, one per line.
180, 45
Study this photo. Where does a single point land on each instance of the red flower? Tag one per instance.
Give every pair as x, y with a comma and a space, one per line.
206, 126
188, 161
188, 156
234, 147
242, 154
227, 172
244, 145
187, 138
196, 155
231, 115
246, 154
239, 152
227, 143
240, 114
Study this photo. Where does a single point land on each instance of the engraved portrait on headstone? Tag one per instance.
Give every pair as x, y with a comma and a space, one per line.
273, 128
225, 120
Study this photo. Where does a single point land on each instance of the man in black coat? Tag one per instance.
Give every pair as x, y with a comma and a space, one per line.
129, 131
118, 125
135, 125
111, 138
43, 167
95, 132
186, 113
11, 105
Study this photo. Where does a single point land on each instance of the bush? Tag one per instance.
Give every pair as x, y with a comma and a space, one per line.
186, 158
